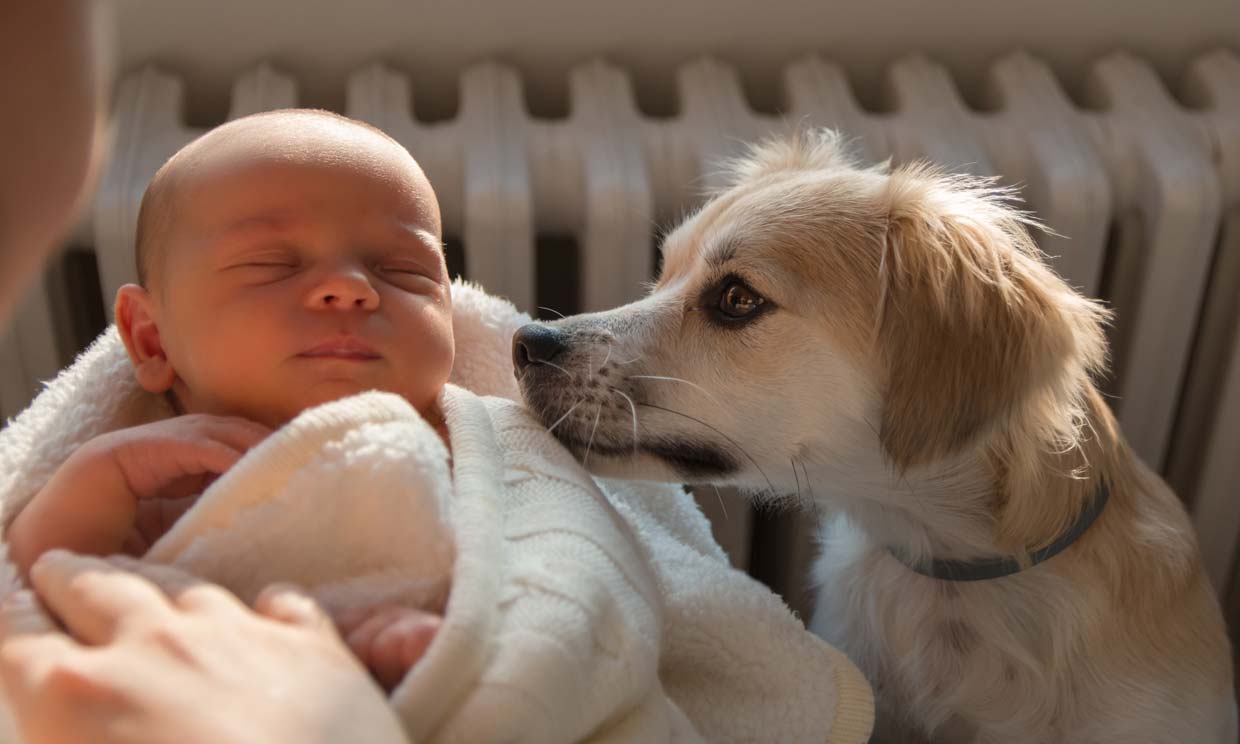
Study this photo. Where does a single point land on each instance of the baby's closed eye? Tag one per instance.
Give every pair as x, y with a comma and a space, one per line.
264, 265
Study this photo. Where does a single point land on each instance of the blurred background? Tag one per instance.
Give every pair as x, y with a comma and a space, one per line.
562, 137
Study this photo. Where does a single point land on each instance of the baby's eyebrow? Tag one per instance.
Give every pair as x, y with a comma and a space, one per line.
421, 234
267, 221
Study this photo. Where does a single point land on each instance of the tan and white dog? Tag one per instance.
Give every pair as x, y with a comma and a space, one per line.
892, 343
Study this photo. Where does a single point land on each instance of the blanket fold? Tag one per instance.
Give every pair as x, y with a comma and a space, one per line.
575, 610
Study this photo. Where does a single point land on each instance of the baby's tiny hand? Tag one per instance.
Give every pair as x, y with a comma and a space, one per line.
171, 458
93, 502
389, 639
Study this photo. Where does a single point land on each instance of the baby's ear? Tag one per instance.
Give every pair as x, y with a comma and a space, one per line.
139, 329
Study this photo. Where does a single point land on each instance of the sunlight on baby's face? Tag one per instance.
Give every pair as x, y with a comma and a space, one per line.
295, 276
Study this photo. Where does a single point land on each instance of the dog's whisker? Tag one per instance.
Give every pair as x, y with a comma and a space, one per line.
734, 443
634, 359
561, 419
633, 408
555, 366
719, 496
793, 460
808, 486
694, 385
552, 310
609, 348
597, 414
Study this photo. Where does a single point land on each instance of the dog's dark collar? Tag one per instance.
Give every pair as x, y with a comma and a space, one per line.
994, 568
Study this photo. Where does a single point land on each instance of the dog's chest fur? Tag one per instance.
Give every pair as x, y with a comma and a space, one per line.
981, 662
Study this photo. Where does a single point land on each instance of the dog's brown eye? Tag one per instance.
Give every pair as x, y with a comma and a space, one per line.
737, 301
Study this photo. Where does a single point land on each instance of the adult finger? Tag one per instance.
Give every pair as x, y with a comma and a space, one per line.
185, 591
92, 598
26, 661
289, 604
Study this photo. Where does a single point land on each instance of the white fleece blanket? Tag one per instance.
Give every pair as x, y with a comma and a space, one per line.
574, 613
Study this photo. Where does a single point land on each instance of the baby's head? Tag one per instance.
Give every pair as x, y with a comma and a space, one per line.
287, 259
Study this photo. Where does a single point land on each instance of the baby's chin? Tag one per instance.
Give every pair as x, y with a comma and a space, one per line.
329, 393
277, 408
280, 411
323, 394
281, 406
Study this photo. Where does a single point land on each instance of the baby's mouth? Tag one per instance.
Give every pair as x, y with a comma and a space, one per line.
342, 347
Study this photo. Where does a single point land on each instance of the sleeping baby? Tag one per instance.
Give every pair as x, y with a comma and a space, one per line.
274, 404
286, 260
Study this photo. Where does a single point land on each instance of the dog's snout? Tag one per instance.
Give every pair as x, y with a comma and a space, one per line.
534, 343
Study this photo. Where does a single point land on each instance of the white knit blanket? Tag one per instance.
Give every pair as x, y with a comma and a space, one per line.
575, 612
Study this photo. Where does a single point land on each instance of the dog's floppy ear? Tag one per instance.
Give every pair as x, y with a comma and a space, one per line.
974, 328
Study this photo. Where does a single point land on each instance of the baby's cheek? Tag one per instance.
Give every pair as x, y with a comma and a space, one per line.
433, 367
243, 381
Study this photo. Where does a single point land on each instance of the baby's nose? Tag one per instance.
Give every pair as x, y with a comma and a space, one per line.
345, 290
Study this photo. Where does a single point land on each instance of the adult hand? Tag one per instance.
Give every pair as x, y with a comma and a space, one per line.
157, 656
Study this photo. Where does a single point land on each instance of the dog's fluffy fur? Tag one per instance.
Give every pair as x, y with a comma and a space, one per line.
906, 358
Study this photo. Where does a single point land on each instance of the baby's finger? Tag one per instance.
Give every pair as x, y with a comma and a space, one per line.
400, 644
239, 433
194, 484
199, 457
350, 619
153, 466
289, 604
156, 516
134, 544
347, 620
361, 637
418, 640
92, 598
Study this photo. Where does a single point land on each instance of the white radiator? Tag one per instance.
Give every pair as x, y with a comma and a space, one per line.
1143, 188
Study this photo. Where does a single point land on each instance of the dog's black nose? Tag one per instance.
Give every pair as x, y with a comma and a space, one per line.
534, 343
